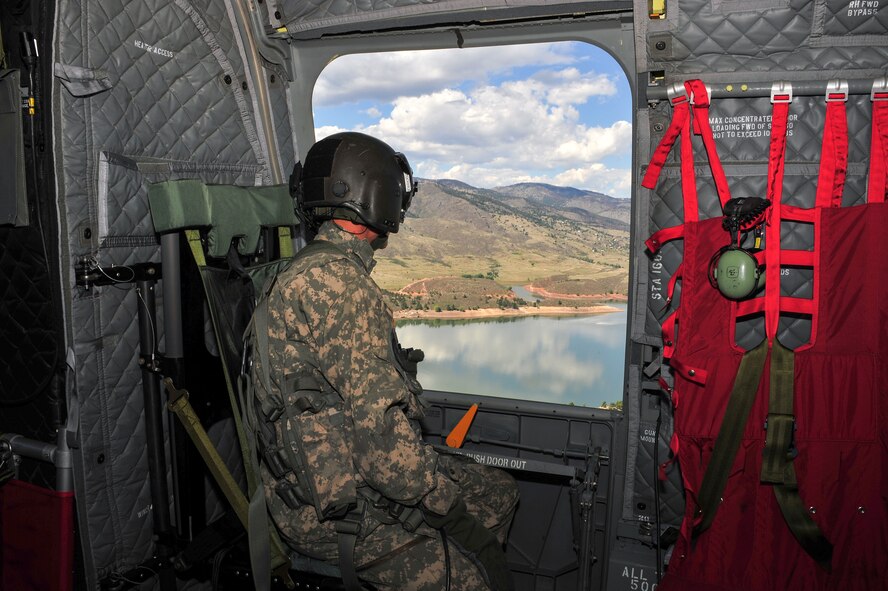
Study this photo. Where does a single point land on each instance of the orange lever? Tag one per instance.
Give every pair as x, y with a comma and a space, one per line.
458, 434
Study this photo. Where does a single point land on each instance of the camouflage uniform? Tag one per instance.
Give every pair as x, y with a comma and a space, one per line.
327, 318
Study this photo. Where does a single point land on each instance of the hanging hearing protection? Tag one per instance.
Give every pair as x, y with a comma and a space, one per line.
734, 270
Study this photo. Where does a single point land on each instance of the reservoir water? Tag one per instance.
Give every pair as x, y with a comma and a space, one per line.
562, 359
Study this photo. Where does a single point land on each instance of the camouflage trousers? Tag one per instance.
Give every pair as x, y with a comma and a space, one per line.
391, 558
421, 562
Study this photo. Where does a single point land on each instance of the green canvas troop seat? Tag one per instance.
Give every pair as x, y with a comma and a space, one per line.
223, 224
232, 220
228, 211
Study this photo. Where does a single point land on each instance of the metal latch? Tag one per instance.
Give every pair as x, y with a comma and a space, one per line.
781, 92
837, 91
880, 89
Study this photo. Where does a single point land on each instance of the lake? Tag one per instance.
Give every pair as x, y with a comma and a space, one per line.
562, 359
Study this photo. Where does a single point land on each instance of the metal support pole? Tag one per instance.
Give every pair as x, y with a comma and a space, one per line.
172, 298
723, 90
173, 362
64, 464
157, 471
57, 455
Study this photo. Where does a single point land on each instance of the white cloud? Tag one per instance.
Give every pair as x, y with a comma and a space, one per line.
384, 76
505, 134
326, 130
531, 129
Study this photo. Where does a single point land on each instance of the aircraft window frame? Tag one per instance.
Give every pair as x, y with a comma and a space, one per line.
318, 54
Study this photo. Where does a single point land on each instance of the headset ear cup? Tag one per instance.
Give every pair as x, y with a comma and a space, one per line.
737, 273
713, 266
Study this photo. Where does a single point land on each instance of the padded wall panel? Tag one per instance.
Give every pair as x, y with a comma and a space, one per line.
732, 42
146, 91
761, 36
314, 18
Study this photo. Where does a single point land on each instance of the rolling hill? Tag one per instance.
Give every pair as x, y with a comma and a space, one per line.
514, 235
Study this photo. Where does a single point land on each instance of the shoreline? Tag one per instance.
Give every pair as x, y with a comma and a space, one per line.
551, 295
505, 312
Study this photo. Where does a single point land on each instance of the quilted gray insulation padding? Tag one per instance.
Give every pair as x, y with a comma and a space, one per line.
734, 41
318, 17
147, 91
759, 38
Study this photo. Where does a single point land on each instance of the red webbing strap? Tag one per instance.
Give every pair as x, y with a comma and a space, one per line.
670, 288
788, 304
679, 127
877, 190
661, 237
690, 373
668, 331
700, 109
797, 258
680, 114
780, 97
834, 150
798, 214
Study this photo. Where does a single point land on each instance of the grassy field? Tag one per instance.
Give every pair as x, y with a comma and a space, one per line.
461, 237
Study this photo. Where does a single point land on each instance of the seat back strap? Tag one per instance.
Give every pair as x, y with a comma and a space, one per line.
877, 188
727, 442
834, 150
780, 452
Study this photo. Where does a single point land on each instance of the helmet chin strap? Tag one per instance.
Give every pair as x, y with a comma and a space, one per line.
380, 242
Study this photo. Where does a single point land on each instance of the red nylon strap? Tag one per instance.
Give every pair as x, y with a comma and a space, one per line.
670, 288
680, 114
688, 177
661, 237
680, 127
668, 331
776, 158
877, 190
797, 258
750, 307
700, 108
787, 304
690, 373
797, 214
833, 153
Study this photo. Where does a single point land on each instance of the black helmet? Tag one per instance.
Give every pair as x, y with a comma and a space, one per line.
357, 177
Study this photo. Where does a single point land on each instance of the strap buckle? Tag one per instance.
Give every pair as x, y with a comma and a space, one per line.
781, 92
787, 422
350, 522
677, 93
837, 91
880, 89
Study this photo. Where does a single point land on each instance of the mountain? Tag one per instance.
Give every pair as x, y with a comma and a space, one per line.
572, 201
516, 234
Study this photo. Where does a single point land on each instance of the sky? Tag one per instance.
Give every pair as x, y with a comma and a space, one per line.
557, 113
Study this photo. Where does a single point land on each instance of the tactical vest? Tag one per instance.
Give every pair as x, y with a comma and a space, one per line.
783, 454
303, 433
302, 430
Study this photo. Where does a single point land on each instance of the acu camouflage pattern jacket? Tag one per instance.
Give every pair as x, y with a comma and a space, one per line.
328, 318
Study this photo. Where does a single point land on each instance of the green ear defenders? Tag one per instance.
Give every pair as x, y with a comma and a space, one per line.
733, 270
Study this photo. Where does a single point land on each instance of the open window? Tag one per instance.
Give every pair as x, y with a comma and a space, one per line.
511, 272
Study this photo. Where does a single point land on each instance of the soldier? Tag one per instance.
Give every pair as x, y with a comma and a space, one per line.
348, 479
